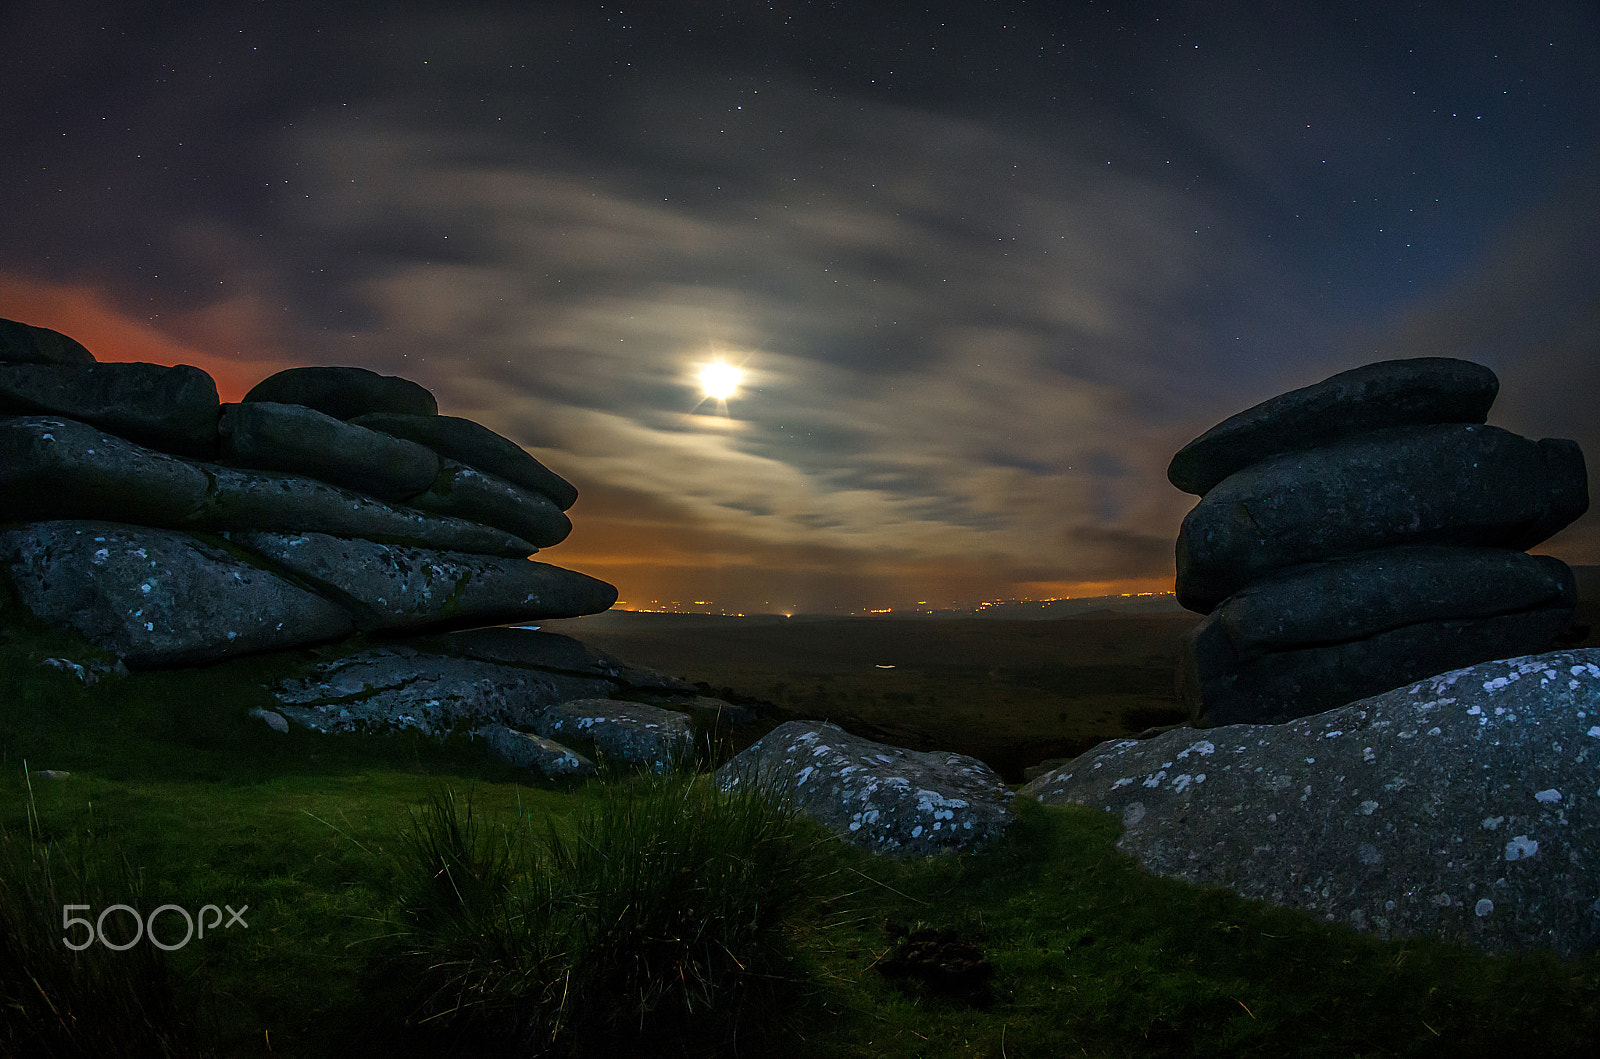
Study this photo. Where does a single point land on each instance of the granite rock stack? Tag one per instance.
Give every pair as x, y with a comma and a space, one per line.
1364, 533
168, 528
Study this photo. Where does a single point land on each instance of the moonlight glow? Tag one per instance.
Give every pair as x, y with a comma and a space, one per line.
720, 380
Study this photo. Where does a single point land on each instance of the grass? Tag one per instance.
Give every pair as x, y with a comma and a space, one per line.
79, 998
576, 915
664, 911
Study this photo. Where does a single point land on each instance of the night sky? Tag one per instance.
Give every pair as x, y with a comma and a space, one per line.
985, 266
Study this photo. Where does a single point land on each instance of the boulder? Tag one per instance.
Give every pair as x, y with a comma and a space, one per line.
881, 798
174, 409
157, 597
343, 392
1390, 393
535, 753
1462, 807
391, 688
54, 468
393, 586
476, 446
286, 437
628, 732
1448, 484
286, 503
463, 492
1318, 636
26, 344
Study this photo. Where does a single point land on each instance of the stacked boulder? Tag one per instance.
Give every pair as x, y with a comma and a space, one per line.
1363, 533
168, 528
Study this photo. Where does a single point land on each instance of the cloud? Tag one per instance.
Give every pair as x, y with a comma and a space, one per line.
954, 335
979, 302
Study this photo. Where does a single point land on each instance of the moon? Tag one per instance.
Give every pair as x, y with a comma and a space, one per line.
720, 381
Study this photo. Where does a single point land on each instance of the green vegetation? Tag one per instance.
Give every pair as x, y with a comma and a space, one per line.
407, 896
663, 910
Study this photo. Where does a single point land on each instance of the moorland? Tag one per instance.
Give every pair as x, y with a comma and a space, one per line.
159, 789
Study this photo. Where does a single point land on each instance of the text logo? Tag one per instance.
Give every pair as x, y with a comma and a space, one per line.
145, 926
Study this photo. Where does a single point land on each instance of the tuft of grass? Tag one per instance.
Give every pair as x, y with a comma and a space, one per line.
58, 1000
667, 917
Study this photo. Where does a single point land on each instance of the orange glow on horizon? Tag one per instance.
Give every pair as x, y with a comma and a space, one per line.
85, 315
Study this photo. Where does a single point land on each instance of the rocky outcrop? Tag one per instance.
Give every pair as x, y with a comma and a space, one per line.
439, 683
391, 688
539, 700
167, 528
1462, 807
1362, 533
628, 732
881, 798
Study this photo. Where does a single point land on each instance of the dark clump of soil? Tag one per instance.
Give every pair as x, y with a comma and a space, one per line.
946, 962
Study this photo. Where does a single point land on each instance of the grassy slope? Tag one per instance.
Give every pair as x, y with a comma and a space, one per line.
1091, 955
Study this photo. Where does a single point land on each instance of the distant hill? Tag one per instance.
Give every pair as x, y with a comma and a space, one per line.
1091, 607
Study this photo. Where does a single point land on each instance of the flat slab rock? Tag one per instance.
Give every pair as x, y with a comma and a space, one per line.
390, 688
391, 586
881, 798
57, 468
629, 732
1390, 393
157, 597
1464, 807
269, 436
